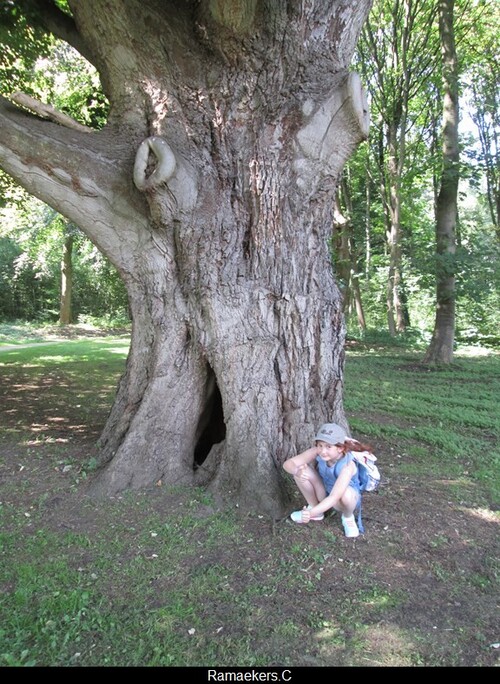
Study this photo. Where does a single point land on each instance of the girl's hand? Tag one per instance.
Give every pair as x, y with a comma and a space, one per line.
306, 515
300, 471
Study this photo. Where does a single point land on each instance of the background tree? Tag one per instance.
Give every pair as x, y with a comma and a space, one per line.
346, 263
211, 191
396, 57
366, 211
65, 312
483, 77
441, 346
34, 64
32, 239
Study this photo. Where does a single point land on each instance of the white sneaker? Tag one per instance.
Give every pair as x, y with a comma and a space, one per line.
350, 527
296, 516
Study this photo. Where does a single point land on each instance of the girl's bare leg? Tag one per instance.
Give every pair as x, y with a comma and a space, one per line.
310, 485
348, 502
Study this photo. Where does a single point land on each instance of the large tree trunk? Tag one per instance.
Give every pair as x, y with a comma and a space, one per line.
440, 349
242, 116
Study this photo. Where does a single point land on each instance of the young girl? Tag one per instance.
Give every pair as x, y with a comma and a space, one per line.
327, 476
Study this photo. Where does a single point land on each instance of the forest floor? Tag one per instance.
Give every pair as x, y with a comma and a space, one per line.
419, 588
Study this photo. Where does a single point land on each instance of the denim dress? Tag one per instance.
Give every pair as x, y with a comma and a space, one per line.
329, 474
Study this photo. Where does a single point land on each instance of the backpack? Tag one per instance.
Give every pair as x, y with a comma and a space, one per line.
368, 473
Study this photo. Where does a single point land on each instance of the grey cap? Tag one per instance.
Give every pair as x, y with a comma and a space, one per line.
331, 433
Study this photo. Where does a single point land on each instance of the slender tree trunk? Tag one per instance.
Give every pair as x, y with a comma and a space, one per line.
390, 239
440, 349
395, 58
391, 193
346, 261
358, 303
368, 245
66, 281
341, 256
394, 163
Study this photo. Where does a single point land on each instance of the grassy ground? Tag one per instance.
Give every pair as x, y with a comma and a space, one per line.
163, 577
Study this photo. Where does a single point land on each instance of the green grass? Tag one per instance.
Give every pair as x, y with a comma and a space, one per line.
445, 418
125, 583
61, 613
75, 353
22, 332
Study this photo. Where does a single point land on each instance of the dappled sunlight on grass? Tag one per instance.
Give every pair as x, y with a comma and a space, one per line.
42, 394
46, 440
476, 351
332, 641
381, 644
484, 514
387, 645
79, 351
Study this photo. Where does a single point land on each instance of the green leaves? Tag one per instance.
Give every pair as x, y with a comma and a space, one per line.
21, 44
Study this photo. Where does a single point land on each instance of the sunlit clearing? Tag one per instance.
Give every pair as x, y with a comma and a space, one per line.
476, 351
118, 350
54, 357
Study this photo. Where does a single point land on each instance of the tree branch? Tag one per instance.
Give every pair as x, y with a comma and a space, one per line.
84, 177
47, 15
46, 111
319, 150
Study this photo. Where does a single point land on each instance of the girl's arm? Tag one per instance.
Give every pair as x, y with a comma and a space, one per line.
293, 465
341, 484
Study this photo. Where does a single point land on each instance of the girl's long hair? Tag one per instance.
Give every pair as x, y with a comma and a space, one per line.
353, 445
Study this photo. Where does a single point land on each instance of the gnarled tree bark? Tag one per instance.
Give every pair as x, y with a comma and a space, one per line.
211, 190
